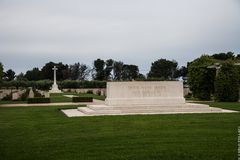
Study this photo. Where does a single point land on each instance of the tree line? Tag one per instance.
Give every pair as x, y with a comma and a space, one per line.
102, 70
215, 77
209, 77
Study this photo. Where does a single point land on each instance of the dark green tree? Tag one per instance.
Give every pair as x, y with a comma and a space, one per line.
74, 71
130, 72
117, 70
47, 72
227, 83
79, 71
238, 57
1, 72
99, 70
9, 75
224, 56
141, 77
62, 72
33, 75
163, 69
201, 78
108, 69
84, 72
181, 72
21, 77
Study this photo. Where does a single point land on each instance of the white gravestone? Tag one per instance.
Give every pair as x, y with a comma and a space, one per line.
15, 96
31, 94
145, 93
46, 94
54, 88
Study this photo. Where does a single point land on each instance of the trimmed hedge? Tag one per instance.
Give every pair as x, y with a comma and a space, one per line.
38, 100
46, 84
82, 99
82, 84
42, 84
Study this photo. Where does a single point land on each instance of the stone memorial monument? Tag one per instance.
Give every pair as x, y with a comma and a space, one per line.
156, 97
54, 88
145, 93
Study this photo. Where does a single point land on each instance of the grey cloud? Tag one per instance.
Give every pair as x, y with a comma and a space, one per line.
134, 31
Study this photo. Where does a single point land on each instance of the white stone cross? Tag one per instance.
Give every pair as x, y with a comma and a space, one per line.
55, 86
54, 75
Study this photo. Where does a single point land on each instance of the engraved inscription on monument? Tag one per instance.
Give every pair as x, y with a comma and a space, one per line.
147, 91
141, 93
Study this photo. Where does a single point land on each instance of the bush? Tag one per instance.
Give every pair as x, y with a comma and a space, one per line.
42, 85
37, 94
7, 97
189, 95
89, 92
82, 84
38, 100
98, 92
227, 83
82, 99
46, 84
25, 95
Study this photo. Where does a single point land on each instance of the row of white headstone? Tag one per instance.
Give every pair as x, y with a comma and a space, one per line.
16, 94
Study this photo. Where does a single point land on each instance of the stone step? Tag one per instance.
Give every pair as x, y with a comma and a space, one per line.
139, 112
85, 110
168, 110
104, 107
102, 110
90, 111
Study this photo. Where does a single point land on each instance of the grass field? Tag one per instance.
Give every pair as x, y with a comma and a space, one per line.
44, 133
225, 105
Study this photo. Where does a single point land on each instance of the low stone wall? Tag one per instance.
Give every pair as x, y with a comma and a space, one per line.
5, 92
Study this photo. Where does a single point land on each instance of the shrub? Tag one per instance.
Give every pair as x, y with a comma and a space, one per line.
99, 92
38, 100
82, 84
37, 94
46, 84
89, 92
25, 95
7, 97
82, 99
42, 85
189, 95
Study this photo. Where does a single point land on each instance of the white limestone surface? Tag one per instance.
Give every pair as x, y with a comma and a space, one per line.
144, 93
140, 98
103, 110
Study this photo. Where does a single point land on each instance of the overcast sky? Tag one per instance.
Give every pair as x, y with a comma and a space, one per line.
33, 32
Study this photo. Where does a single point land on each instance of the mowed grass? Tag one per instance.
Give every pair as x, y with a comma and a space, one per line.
59, 97
46, 133
225, 105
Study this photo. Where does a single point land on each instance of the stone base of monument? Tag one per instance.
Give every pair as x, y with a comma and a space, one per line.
55, 89
102, 110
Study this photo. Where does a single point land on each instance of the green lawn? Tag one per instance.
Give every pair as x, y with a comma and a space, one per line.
34, 133
225, 105
58, 97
